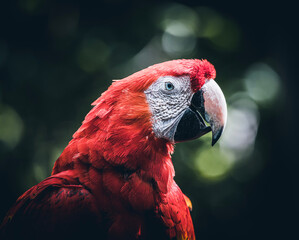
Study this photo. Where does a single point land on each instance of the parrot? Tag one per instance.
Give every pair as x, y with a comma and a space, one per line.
115, 178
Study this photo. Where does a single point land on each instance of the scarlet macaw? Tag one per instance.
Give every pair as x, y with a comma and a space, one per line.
114, 180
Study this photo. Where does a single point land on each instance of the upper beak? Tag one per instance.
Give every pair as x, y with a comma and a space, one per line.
210, 102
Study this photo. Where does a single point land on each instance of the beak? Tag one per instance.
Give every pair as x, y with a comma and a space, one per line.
208, 104
211, 104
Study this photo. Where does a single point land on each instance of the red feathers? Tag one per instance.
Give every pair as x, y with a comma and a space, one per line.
202, 70
115, 160
117, 132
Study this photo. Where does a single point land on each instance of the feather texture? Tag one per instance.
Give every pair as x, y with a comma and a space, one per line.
115, 178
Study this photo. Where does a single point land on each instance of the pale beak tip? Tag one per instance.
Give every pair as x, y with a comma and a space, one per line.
216, 135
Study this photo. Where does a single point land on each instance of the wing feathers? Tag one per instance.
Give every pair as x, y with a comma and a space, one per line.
57, 208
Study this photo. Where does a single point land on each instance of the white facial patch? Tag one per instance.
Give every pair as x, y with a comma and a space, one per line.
168, 98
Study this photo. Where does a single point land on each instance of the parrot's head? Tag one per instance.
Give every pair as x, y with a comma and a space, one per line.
142, 116
175, 100
183, 99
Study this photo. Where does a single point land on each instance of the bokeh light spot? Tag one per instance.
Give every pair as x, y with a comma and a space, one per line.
177, 13
212, 163
179, 29
11, 126
262, 82
54, 155
39, 172
229, 38
223, 33
212, 23
176, 46
242, 126
180, 24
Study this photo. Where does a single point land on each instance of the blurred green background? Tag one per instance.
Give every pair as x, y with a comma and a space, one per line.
56, 57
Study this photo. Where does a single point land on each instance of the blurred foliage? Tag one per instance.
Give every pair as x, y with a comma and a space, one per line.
56, 57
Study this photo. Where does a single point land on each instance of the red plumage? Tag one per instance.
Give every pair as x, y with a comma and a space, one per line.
115, 178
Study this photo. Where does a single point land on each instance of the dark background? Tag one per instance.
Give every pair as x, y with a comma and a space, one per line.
56, 57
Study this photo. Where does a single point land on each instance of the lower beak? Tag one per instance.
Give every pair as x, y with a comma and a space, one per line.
207, 104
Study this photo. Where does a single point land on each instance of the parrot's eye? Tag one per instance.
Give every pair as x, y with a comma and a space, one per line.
169, 86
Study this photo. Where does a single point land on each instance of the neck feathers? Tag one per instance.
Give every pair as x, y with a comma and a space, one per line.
117, 132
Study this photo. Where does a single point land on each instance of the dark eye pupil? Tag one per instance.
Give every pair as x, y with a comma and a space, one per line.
169, 86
